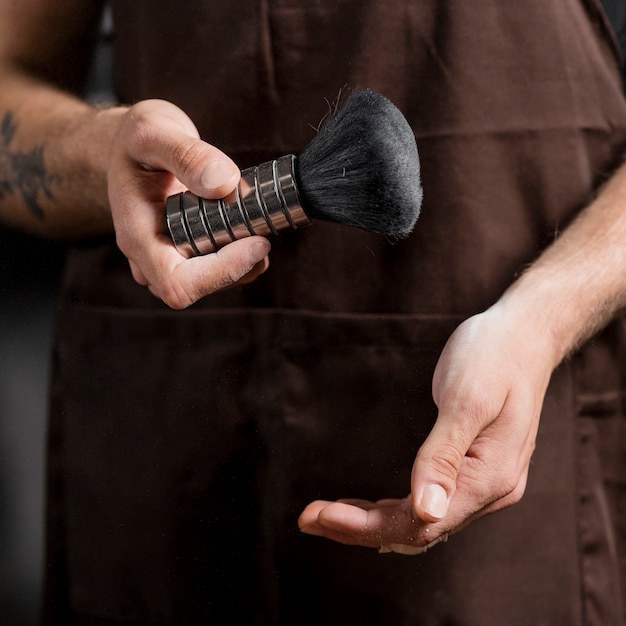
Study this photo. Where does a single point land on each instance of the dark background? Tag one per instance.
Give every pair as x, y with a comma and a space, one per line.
29, 280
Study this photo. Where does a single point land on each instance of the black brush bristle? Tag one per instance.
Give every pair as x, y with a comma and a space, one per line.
362, 169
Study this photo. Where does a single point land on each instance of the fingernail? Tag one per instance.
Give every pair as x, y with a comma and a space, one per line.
217, 174
311, 530
258, 251
435, 501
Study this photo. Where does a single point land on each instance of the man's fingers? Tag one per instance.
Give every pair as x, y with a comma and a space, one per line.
490, 475
138, 275
436, 468
255, 272
470, 427
387, 525
161, 137
158, 152
358, 524
183, 282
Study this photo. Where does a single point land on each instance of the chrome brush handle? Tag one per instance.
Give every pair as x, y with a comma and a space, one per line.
265, 202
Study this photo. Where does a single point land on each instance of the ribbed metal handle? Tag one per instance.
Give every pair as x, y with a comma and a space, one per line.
265, 202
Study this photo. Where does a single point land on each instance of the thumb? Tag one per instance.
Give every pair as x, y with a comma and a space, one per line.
435, 470
161, 136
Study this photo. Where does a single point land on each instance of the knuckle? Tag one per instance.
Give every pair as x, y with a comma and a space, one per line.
509, 482
205, 276
229, 268
509, 495
221, 281
188, 154
471, 401
507, 487
516, 494
139, 131
234, 274
448, 460
124, 242
445, 461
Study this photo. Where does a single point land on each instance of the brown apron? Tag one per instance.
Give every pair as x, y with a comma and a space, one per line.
183, 445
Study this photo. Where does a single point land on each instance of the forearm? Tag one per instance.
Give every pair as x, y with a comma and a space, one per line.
579, 283
54, 151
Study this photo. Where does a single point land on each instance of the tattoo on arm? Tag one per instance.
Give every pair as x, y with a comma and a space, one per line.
23, 172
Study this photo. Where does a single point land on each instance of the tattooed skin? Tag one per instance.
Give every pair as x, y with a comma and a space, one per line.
23, 172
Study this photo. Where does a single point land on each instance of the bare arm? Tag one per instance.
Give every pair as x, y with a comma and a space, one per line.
580, 281
489, 386
70, 170
52, 161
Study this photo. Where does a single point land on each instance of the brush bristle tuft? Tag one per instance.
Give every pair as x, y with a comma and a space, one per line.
362, 169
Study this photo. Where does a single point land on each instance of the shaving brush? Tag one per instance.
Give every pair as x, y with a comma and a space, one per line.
361, 170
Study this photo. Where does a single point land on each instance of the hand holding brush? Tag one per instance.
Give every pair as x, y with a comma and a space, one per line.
361, 170
156, 151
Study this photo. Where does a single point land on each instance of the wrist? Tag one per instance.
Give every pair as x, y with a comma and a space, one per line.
557, 308
532, 319
578, 284
82, 157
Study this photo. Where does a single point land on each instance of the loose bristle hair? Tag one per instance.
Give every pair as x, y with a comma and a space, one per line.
362, 169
